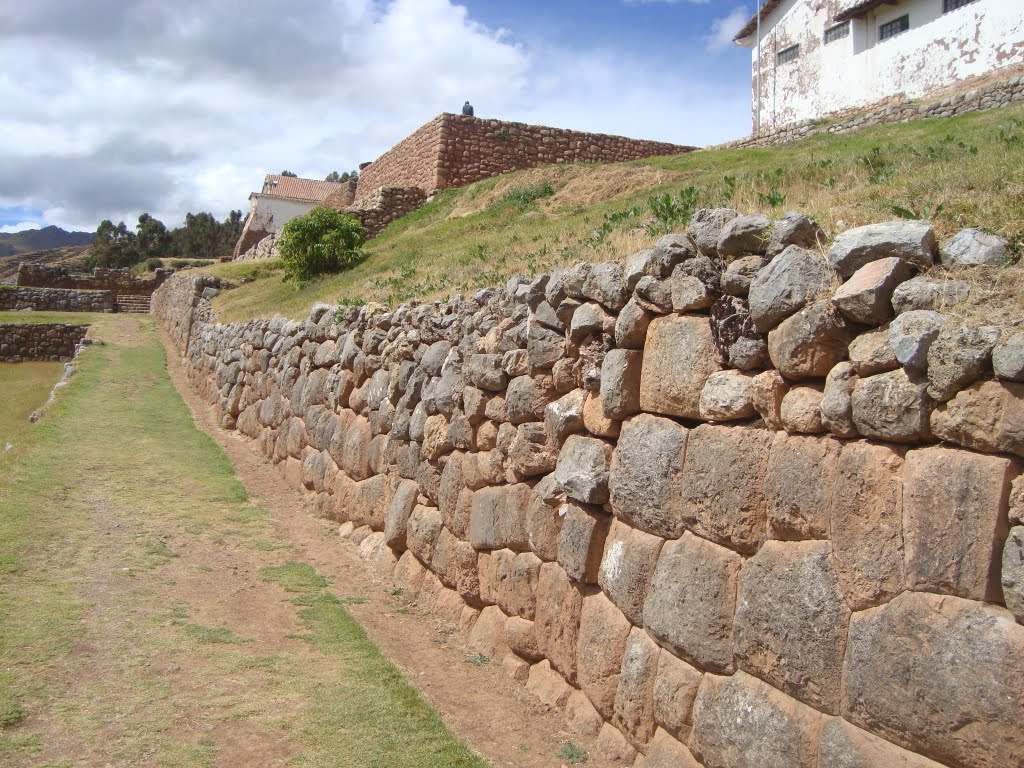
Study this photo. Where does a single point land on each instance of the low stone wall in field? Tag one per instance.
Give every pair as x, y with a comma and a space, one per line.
55, 300
989, 96
24, 342
119, 281
721, 511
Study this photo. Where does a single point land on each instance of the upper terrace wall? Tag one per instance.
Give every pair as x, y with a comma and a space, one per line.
118, 281
52, 341
455, 150
720, 515
55, 300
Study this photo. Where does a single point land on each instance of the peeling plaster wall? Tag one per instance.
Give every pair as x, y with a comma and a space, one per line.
856, 71
266, 217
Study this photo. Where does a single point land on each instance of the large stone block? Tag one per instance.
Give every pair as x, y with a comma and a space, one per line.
488, 634
1013, 572
941, 676
646, 469
665, 752
798, 486
522, 638
679, 355
627, 567
514, 582
582, 470
740, 722
810, 343
779, 638
396, 517
867, 523
634, 699
846, 746
455, 563
987, 416
353, 456
602, 642
543, 523
955, 521
498, 517
912, 241
675, 688
722, 487
793, 279
620, 383
892, 406
867, 296
557, 622
692, 601
581, 541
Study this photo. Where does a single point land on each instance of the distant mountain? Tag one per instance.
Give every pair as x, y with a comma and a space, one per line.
42, 239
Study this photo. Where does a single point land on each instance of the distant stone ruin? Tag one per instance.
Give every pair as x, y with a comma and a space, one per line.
722, 512
58, 289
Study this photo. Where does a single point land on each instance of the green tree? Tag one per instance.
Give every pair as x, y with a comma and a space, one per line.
333, 176
114, 246
288, 173
151, 238
322, 242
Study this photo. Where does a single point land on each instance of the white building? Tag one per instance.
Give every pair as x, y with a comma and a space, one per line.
281, 200
818, 57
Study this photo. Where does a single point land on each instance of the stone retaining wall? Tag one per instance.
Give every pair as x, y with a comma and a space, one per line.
386, 205
720, 512
21, 343
985, 97
455, 150
55, 300
118, 281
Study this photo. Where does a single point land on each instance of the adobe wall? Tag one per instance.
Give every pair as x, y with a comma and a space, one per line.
722, 514
990, 96
24, 342
55, 300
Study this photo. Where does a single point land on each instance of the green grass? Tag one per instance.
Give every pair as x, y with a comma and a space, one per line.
38, 318
972, 165
572, 753
25, 387
119, 453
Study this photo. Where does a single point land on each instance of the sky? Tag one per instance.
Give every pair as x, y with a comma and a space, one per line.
111, 108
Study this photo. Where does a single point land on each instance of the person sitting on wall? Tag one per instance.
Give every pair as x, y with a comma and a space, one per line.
467, 109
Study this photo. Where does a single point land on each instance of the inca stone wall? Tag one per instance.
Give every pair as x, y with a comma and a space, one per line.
21, 343
455, 150
55, 300
386, 205
720, 511
125, 288
990, 96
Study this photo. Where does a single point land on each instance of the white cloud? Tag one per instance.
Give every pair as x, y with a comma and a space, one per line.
724, 29
9, 228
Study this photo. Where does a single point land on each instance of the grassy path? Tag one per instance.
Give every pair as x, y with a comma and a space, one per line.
149, 615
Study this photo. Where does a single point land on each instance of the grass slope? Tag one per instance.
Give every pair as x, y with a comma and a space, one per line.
962, 171
118, 505
25, 387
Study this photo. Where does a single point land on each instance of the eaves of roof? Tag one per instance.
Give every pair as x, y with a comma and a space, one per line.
751, 26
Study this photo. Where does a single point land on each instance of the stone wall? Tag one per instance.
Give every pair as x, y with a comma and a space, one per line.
264, 249
455, 150
723, 513
55, 300
989, 96
24, 342
386, 205
119, 281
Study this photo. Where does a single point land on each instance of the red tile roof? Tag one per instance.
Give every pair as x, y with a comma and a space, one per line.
299, 189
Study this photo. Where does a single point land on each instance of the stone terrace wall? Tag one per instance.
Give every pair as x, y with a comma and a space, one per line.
119, 281
413, 162
55, 300
985, 97
386, 205
21, 343
722, 515
475, 149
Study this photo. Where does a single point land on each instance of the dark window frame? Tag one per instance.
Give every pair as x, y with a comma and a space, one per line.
837, 32
893, 28
786, 55
948, 6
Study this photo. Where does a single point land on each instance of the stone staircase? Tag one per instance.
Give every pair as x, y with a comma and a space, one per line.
135, 305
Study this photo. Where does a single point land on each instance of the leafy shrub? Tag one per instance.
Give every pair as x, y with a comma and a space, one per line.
322, 242
153, 264
523, 197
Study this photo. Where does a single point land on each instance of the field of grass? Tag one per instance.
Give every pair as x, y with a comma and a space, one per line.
25, 387
125, 540
959, 172
38, 318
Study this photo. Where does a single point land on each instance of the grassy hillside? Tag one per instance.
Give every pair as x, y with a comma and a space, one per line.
963, 171
66, 256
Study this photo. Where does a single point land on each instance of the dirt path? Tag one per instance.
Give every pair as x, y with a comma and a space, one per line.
481, 704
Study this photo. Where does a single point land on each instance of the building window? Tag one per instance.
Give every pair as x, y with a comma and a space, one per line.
893, 28
789, 54
952, 5
838, 32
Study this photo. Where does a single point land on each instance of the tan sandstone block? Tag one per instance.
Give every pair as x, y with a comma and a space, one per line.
557, 623
679, 356
665, 752
602, 642
798, 486
675, 689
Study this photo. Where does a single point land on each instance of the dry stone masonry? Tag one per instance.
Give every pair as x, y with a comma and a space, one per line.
55, 300
721, 512
131, 294
24, 342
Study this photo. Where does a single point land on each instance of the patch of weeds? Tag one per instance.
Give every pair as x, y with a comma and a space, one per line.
449, 630
159, 549
11, 712
478, 659
396, 591
525, 196
353, 600
179, 609
403, 610
1011, 133
672, 212
266, 546
19, 742
929, 212
293, 577
774, 198
878, 166
213, 635
572, 753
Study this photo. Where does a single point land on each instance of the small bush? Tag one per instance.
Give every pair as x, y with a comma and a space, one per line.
523, 197
572, 753
322, 242
153, 264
